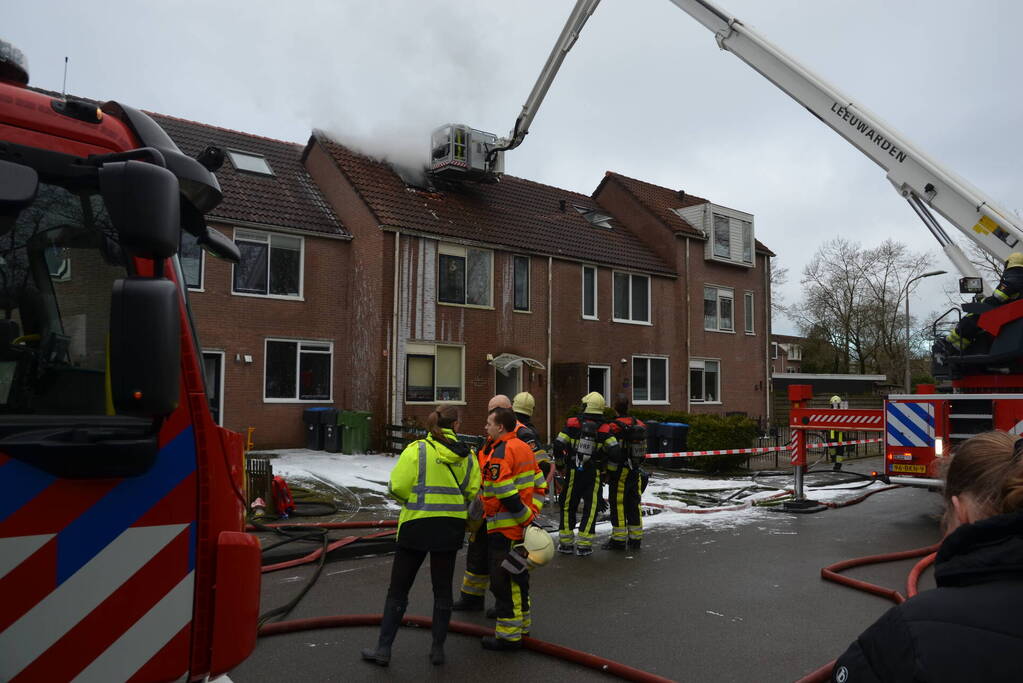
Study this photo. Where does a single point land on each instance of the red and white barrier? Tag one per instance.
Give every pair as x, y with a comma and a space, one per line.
754, 451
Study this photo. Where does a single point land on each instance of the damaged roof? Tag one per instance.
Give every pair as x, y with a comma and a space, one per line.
289, 198
517, 213
662, 202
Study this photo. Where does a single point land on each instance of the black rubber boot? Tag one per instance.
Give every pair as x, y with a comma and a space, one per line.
468, 603
439, 629
493, 643
614, 545
394, 610
635, 543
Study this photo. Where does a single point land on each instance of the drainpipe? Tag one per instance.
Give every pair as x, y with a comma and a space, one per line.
394, 336
689, 315
550, 368
767, 338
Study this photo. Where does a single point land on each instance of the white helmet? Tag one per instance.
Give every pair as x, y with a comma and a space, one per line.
538, 545
835, 400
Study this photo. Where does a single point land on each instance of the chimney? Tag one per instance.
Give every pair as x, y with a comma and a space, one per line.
681, 195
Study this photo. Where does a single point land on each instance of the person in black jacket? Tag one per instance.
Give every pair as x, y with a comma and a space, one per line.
1010, 287
969, 627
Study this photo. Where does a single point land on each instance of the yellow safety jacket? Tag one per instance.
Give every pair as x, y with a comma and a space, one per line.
431, 480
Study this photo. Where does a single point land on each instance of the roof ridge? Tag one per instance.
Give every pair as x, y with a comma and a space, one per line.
222, 128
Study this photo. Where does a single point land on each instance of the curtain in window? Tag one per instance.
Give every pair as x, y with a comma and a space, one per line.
477, 277
452, 279
621, 296
521, 284
710, 371
710, 308
419, 378
449, 373
285, 265
250, 271
722, 238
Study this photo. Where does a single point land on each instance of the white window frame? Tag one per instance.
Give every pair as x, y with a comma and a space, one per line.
529, 283
748, 312
667, 381
695, 363
223, 371
430, 349
596, 289
298, 368
448, 249
241, 153
606, 390
649, 299
249, 236
739, 225
774, 350
728, 293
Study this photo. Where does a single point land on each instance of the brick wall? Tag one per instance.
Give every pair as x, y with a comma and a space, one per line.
239, 326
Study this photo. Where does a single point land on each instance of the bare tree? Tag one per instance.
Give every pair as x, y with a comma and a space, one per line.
853, 300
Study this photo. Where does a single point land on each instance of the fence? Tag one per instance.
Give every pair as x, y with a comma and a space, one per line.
783, 434
397, 437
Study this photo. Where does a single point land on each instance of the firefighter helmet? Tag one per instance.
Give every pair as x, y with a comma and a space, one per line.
1015, 259
835, 400
538, 545
594, 402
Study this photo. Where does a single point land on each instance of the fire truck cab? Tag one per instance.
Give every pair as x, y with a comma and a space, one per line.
122, 551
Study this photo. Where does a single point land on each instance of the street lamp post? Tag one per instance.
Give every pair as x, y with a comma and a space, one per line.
911, 281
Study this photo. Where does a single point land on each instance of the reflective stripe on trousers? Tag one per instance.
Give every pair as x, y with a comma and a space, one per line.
475, 584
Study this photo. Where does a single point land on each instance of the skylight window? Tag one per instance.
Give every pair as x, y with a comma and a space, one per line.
596, 218
246, 161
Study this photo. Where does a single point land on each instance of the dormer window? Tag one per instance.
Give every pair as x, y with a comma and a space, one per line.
596, 218
249, 162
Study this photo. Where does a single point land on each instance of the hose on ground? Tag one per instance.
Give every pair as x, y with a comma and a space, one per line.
551, 649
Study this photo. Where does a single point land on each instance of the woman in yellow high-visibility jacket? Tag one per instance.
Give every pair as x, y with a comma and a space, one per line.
434, 480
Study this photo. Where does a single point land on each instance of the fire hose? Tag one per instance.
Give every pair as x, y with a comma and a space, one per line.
831, 573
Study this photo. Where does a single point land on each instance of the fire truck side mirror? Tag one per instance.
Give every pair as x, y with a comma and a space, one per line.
145, 207
145, 347
220, 245
18, 186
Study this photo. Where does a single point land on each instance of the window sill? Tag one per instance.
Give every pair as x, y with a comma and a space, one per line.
651, 403
279, 297
590, 317
195, 289
705, 403
719, 331
632, 322
433, 403
751, 334
730, 262
298, 400
482, 308
527, 311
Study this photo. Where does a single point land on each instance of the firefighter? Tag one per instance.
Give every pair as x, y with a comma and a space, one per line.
523, 405
623, 441
477, 569
508, 483
1009, 288
837, 452
434, 480
576, 455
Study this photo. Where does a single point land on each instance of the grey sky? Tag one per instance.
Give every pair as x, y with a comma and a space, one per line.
645, 92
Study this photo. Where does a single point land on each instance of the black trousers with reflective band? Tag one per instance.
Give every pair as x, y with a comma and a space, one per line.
406, 565
477, 567
580, 486
624, 486
511, 591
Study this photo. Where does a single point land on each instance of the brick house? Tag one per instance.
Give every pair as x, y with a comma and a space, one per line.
786, 354
725, 271
271, 328
456, 279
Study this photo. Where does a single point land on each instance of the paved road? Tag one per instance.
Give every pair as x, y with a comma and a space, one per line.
707, 602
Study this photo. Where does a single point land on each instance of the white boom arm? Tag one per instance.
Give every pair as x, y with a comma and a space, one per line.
920, 180
576, 20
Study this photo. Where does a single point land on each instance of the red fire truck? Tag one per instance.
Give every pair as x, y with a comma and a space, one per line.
122, 552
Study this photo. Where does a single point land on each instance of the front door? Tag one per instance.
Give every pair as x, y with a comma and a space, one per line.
509, 384
598, 379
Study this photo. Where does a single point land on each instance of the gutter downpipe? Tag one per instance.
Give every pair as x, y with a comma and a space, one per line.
394, 335
550, 318
768, 389
689, 315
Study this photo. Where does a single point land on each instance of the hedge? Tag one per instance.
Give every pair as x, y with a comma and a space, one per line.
710, 433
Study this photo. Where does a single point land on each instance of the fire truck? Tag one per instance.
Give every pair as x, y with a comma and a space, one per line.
122, 551
984, 383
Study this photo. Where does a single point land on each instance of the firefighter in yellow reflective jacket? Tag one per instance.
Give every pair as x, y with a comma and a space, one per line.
577, 455
508, 484
523, 404
1009, 288
434, 480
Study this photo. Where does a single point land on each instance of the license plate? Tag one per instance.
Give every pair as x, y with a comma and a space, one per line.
915, 469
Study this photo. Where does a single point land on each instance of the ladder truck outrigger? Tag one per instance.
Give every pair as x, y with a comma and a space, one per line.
985, 382
123, 555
